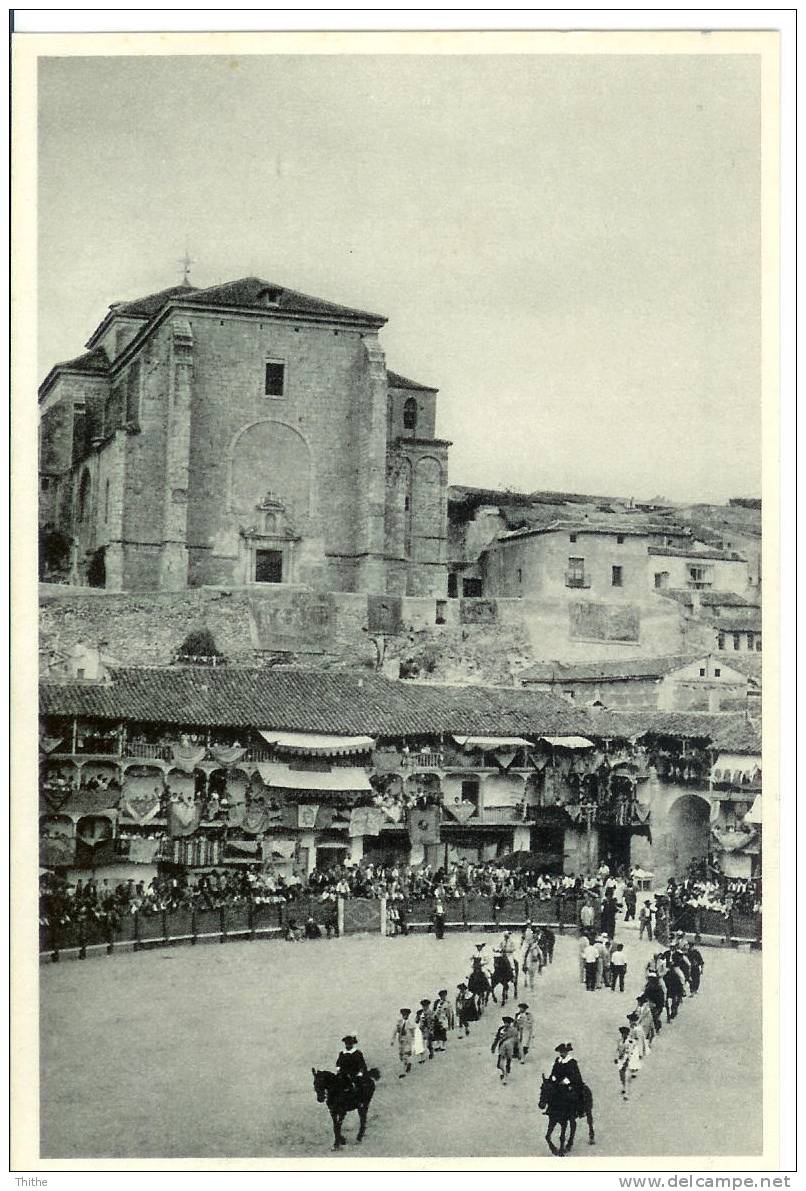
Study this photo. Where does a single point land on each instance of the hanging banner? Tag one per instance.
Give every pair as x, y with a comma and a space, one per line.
424, 825
187, 756
141, 810
183, 817
505, 757
393, 813
461, 810
281, 847
366, 820
49, 744
53, 798
227, 756
144, 851
306, 815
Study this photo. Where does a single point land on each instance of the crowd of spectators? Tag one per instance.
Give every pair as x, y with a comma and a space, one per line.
100, 898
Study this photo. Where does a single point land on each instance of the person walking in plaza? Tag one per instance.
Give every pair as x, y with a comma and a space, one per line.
425, 1020
645, 1019
531, 962
504, 1044
618, 967
443, 1018
586, 917
465, 1009
584, 943
645, 921
622, 1060
697, 964
630, 901
439, 919
592, 961
524, 1023
404, 1037
610, 909
675, 992
638, 1037
601, 947
655, 994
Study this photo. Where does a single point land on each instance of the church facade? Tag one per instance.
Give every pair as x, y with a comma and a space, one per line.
241, 434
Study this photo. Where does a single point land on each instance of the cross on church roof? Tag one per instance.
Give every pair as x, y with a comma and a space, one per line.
186, 262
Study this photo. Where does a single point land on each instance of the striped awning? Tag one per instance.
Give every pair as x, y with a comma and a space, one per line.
312, 744
568, 742
341, 778
491, 743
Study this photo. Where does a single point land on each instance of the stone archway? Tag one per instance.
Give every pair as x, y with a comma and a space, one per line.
688, 823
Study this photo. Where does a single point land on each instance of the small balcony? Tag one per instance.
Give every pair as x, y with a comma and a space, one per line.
576, 579
431, 760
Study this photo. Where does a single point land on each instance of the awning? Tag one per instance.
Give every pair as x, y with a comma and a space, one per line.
737, 769
568, 742
345, 778
734, 841
490, 743
312, 744
331, 844
754, 814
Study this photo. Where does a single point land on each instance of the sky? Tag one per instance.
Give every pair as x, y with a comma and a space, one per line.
567, 247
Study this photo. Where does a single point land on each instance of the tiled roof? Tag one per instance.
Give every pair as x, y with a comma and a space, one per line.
248, 292
626, 668
637, 527
749, 664
95, 362
396, 381
690, 725
709, 599
313, 701
738, 736
148, 306
739, 620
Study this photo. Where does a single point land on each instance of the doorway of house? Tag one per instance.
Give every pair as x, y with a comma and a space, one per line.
268, 566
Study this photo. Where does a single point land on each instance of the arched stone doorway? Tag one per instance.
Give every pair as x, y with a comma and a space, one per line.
688, 823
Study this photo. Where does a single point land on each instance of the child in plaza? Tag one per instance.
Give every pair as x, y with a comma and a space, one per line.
622, 1061
404, 1037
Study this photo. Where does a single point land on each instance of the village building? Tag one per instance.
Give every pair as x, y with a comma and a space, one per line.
671, 683
190, 768
236, 435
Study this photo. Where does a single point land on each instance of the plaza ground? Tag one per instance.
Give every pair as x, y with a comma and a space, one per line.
203, 1052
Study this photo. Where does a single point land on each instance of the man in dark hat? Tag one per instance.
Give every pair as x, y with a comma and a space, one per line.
566, 1074
504, 1044
425, 1020
351, 1064
404, 1037
465, 1009
655, 994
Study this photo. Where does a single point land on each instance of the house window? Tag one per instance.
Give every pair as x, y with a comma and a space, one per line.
721, 640
45, 483
702, 671
471, 588
275, 378
717, 672
106, 501
268, 566
470, 791
737, 640
572, 537
441, 606
661, 579
617, 577
520, 575
453, 585
758, 644
568, 694
410, 414
750, 641
699, 576
620, 539
575, 575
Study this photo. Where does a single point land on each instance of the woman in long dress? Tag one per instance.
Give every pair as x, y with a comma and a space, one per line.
418, 1042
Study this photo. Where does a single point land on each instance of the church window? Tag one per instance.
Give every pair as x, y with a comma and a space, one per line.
268, 566
275, 378
410, 414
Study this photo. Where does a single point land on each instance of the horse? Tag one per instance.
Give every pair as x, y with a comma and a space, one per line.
563, 1110
330, 1090
503, 974
478, 984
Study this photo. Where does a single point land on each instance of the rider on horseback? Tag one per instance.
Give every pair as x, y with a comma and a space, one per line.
566, 1076
351, 1065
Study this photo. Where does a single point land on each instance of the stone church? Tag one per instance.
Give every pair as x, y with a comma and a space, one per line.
235, 435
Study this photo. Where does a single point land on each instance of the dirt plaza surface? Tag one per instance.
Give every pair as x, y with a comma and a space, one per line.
205, 1052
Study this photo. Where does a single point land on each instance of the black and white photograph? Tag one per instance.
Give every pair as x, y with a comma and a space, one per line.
399, 411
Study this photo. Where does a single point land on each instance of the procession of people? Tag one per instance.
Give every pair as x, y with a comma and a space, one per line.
673, 974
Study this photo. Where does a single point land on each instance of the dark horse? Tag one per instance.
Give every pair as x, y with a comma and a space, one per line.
563, 1110
503, 974
479, 985
330, 1090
